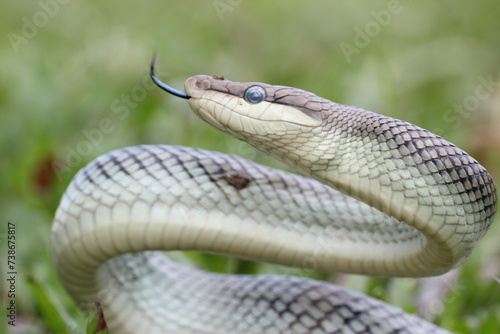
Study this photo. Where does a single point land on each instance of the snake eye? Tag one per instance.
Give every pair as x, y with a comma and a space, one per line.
255, 94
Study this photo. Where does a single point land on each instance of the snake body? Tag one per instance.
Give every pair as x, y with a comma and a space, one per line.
386, 198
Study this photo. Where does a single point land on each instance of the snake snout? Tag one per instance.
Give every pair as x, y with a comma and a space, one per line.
195, 86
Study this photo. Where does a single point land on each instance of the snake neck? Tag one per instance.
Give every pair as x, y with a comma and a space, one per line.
400, 169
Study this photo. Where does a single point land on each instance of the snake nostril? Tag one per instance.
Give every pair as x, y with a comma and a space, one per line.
202, 84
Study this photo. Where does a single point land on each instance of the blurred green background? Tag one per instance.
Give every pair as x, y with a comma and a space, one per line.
74, 84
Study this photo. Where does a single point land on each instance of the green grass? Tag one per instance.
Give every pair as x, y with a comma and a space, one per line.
60, 80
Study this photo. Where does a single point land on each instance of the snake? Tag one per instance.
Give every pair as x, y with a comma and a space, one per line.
372, 195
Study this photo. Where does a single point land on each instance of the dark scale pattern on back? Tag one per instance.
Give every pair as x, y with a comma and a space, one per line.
439, 162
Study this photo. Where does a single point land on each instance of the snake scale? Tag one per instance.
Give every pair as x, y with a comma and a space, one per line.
383, 197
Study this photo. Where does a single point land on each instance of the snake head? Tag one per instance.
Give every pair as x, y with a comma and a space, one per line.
281, 121
286, 123
252, 108
275, 119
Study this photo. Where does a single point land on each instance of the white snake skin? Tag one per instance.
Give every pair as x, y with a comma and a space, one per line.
389, 199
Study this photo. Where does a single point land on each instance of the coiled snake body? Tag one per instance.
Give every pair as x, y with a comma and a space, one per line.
387, 198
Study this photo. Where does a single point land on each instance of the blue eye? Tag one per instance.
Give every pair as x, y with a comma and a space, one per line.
255, 94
